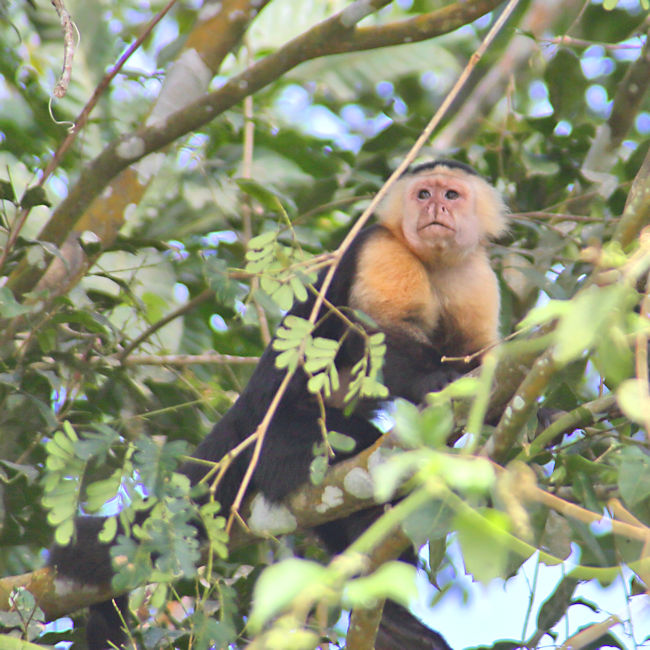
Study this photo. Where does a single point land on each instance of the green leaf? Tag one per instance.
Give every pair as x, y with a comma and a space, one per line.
298, 288
407, 423
586, 317
481, 537
34, 196
317, 383
461, 388
566, 84
281, 344
263, 240
7, 191
634, 400
394, 580
431, 521
215, 525
279, 584
283, 296
318, 469
63, 533
431, 426
388, 476
341, 442
634, 475
467, 474
437, 553
314, 364
544, 313
219, 279
159, 596
288, 359
108, 531
100, 492
295, 327
270, 199
556, 605
9, 307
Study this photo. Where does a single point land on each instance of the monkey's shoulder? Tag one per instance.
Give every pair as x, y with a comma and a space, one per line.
391, 284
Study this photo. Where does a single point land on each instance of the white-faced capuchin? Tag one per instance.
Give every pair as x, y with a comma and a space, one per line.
422, 274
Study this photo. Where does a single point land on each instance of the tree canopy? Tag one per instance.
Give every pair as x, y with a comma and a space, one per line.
173, 175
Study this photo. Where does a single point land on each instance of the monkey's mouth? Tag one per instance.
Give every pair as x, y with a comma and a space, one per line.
433, 224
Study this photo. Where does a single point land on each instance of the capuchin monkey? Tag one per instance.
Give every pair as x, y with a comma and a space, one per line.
422, 274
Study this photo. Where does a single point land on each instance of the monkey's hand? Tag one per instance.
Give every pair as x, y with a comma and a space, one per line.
411, 371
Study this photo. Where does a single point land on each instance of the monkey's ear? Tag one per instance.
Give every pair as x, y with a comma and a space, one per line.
491, 209
389, 211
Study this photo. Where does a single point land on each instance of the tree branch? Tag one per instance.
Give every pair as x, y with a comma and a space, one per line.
187, 359
636, 214
363, 627
520, 408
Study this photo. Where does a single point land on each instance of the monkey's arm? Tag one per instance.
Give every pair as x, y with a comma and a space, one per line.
412, 369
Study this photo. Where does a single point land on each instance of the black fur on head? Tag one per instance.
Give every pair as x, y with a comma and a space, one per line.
452, 164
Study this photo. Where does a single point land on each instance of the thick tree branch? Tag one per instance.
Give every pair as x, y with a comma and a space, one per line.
362, 630
79, 124
520, 408
630, 93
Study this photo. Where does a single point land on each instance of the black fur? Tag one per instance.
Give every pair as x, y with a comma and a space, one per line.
452, 164
411, 370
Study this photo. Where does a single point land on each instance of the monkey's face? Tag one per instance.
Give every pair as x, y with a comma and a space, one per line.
440, 216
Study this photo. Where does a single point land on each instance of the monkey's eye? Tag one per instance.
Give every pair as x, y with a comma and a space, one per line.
424, 194
451, 194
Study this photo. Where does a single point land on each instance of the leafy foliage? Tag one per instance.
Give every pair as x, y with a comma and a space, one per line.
205, 243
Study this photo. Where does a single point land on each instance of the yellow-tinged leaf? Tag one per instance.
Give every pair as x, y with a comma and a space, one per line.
634, 401
64, 532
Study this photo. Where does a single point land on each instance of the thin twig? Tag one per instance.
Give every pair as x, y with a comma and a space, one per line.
82, 118
68, 27
187, 359
259, 434
570, 41
353, 13
206, 294
540, 214
247, 172
641, 354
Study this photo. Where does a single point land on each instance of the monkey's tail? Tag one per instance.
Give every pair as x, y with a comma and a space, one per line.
87, 561
105, 624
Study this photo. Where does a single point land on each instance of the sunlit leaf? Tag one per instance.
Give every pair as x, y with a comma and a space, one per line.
394, 580
279, 584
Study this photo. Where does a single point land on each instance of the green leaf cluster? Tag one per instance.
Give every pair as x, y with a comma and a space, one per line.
275, 264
